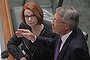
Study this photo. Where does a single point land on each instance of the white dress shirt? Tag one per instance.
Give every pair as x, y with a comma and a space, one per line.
64, 38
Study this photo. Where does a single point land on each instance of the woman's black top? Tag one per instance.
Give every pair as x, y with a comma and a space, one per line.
41, 49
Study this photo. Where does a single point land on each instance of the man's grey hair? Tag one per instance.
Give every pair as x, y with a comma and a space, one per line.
69, 15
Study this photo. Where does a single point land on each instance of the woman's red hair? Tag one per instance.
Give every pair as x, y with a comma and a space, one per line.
35, 8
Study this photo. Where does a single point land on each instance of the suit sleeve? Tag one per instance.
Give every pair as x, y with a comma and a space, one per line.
13, 44
13, 48
46, 42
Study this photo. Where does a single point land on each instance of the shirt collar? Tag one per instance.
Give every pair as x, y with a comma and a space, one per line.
64, 37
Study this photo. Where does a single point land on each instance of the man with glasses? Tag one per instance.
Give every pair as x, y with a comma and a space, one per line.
73, 46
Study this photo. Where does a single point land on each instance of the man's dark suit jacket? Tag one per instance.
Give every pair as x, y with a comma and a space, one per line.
75, 47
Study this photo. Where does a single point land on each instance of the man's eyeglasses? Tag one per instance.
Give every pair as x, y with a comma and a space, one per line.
57, 22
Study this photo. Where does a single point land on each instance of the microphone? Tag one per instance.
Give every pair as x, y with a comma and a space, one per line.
4, 54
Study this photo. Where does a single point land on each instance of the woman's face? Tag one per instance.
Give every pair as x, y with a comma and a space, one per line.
30, 18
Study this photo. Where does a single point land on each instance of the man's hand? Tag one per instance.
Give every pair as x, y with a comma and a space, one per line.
18, 33
23, 58
26, 33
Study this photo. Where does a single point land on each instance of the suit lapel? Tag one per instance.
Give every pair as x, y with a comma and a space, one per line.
65, 46
62, 52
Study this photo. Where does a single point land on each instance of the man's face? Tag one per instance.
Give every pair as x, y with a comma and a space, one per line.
57, 25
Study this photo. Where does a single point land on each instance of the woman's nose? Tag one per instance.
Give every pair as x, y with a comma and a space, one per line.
30, 18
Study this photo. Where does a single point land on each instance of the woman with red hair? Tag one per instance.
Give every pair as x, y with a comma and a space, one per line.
37, 40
